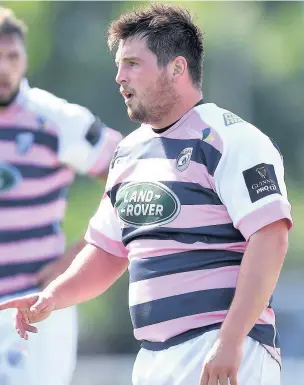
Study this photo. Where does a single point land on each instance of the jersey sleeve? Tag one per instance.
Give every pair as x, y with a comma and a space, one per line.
85, 143
104, 230
249, 180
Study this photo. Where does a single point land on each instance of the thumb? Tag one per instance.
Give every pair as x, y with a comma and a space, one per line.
41, 304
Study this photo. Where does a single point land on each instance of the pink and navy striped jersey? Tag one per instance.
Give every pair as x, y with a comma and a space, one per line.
44, 141
181, 206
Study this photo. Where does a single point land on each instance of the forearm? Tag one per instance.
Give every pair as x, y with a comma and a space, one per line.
91, 273
257, 279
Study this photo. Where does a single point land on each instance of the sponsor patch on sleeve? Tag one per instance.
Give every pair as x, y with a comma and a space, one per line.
230, 118
261, 181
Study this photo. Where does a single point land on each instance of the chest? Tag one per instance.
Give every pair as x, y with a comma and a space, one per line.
154, 182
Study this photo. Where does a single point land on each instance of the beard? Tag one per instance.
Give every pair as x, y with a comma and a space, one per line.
158, 102
6, 100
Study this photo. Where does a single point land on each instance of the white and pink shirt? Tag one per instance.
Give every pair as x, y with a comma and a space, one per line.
44, 141
181, 206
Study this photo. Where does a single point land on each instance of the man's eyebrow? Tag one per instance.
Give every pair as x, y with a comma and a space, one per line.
127, 59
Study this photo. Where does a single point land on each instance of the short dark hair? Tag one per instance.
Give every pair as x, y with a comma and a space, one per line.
9, 24
170, 32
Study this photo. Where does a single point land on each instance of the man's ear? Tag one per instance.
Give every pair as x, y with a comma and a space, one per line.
179, 66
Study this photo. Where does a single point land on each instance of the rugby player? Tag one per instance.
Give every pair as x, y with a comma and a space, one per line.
44, 142
195, 207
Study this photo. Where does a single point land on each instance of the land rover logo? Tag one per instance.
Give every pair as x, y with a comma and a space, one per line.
9, 177
146, 204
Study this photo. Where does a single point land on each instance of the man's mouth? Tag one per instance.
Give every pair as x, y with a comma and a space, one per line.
127, 95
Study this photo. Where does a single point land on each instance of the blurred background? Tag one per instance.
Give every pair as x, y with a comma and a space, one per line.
254, 66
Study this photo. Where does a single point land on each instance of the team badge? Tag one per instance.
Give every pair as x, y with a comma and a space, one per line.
183, 160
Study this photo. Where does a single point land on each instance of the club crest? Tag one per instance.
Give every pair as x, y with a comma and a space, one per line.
183, 160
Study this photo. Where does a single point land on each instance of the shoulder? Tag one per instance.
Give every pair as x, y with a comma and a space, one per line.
227, 127
58, 111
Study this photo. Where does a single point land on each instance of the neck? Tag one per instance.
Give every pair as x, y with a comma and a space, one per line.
182, 105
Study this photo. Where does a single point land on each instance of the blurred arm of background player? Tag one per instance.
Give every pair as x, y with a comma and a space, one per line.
87, 147
52, 270
91, 273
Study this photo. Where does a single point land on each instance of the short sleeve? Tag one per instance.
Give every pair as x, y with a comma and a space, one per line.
104, 230
85, 143
249, 180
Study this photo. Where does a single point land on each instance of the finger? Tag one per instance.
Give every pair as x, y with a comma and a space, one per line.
19, 303
223, 379
13, 303
233, 379
19, 325
213, 379
17, 318
29, 328
204, 377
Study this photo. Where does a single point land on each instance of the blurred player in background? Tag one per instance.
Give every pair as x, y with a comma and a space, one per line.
44, 141
196, 205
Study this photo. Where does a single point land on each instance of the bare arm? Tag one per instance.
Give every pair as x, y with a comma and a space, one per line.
259, 272
260, 269
91, 273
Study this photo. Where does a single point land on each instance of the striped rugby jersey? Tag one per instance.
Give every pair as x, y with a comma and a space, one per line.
44, 141
181, 205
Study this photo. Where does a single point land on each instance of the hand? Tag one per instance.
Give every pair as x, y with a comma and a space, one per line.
30, 309
222, 363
